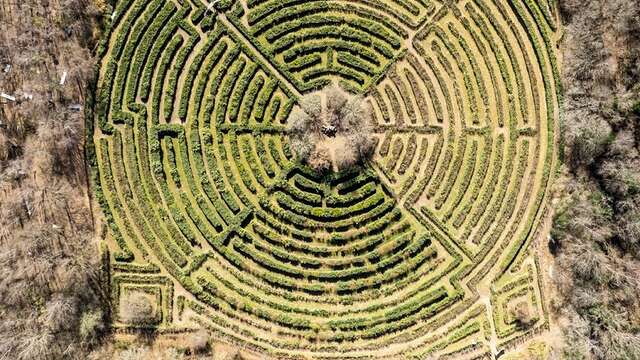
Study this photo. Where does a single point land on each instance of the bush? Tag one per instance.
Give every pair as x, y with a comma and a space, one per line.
198, 342
522, 315
91, 325
136, 353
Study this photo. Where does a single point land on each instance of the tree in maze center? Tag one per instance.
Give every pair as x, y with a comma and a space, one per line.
331, 130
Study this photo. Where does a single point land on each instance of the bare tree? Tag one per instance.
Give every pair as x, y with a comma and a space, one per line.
198, 342
35, 345
332, 130
320, 159
522, 315
60, 314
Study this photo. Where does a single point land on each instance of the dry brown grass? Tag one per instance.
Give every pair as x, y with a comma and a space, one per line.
136, 308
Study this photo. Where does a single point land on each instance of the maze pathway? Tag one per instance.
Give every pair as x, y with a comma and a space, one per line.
423, 252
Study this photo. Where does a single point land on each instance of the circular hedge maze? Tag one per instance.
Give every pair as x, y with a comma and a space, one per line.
422, 252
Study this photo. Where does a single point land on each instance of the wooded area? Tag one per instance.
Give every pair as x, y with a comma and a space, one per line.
50, 278
596, 233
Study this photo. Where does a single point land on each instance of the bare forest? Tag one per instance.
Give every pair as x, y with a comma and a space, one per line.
596, 233
52, 305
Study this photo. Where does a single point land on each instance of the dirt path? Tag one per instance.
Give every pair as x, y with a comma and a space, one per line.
260, 57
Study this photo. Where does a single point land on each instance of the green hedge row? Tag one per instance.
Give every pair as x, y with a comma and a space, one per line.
478, 182
468, 176
178, 68
262, 20
155, 33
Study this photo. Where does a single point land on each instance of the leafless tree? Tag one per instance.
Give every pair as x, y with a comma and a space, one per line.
198, 342
327, 115
320, 159
60, 314
522, 315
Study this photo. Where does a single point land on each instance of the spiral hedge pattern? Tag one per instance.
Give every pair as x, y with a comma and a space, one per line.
423, 252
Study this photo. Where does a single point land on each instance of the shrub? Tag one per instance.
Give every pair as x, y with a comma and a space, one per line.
136, 353
522, 315
172, 354
91, 325
198, 342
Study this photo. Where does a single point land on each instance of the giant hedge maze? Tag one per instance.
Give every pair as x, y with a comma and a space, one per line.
423, 252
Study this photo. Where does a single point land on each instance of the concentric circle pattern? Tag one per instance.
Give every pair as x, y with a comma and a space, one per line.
423, 252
